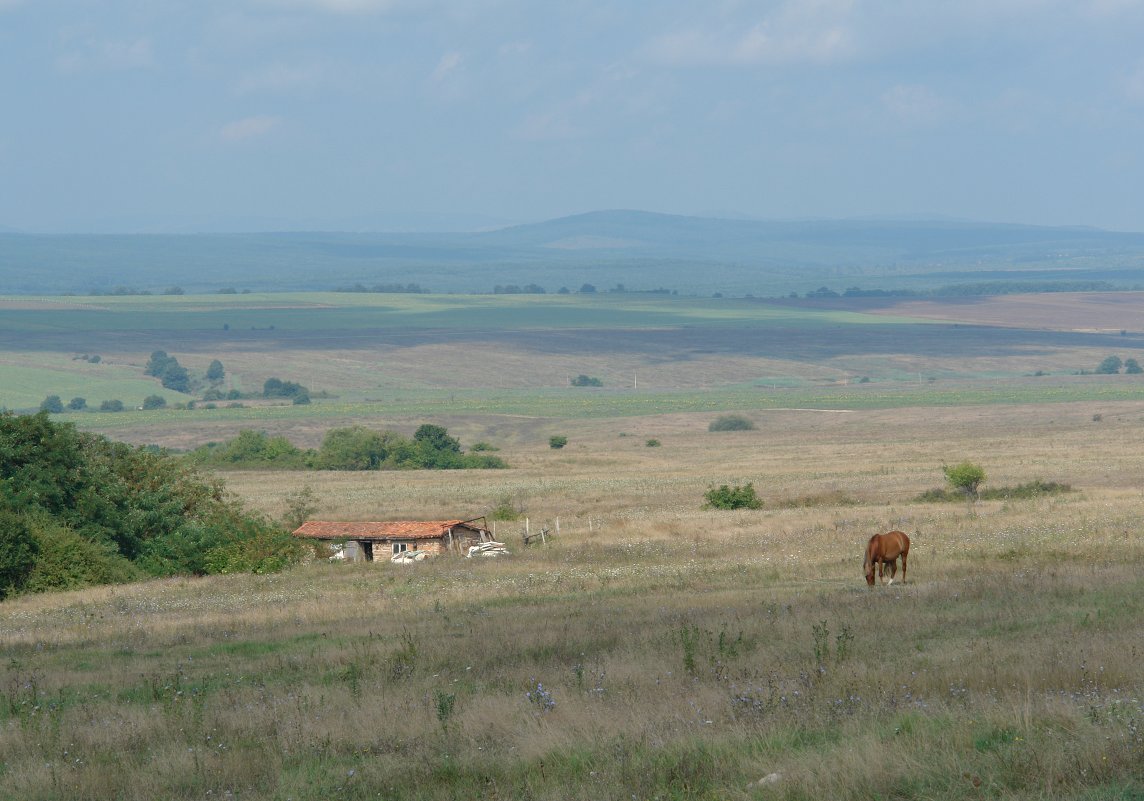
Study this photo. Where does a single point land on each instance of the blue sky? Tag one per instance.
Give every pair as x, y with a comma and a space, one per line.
161, 115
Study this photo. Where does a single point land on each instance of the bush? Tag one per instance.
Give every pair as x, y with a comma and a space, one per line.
18, 552
965, 478
731, 422
67, 560
52, 404
652, 443
77, 404
732, 497
586, 381
505, 510
154, 402
104, 511
250, 449
111, 406
556, 442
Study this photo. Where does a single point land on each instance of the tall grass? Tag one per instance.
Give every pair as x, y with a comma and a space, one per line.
663, 663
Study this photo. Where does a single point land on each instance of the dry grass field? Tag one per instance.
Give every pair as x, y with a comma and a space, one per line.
655, 649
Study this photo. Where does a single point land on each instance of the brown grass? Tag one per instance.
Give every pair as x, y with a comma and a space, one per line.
689, 653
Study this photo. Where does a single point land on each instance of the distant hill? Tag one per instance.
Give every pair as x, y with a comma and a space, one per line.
640, 250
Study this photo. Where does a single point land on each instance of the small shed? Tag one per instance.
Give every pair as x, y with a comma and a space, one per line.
378, 541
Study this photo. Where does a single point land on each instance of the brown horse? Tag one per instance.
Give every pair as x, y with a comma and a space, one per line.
884, 549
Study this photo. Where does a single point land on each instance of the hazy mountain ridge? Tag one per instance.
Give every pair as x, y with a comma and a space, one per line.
642, 250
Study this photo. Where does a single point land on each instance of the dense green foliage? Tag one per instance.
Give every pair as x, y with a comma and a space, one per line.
965, 477
557, 441
586, 381
170, 373
733, 497
1110, 365
79, 509
350, 448
731, 422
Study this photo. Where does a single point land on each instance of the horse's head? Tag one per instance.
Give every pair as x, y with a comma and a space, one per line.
870, 573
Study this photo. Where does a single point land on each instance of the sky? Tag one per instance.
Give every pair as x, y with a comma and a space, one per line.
231, 115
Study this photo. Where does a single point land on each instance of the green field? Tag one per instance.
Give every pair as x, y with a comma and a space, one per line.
368, 355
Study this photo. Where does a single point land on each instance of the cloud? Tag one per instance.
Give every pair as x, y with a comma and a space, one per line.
449, 62
564, 120
814, 31
248, 128
108, 55
334, 6
1134, 86
915, 104
281, 78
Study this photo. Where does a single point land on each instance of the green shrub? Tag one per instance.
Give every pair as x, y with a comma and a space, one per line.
556, 442
586, 381
52, 404
731, 422
652, 443
505, 510
965, 477
154, 402
66, 560
732, 497
18, 552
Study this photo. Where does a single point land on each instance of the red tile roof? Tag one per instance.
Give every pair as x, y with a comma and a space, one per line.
385, 530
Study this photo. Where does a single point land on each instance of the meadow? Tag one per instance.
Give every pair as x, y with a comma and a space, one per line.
653, 648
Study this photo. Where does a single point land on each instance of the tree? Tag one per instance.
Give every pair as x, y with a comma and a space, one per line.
556, 442
154, 402
18, 550
437, 438
1110, 366
157, 363
215, 372
965, 477
352, 448
52, 404
77, 404
175, 377
587, 289
111, 406
1132, 367
299, 506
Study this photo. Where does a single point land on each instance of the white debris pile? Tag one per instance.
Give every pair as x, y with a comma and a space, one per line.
409, 557
489, 548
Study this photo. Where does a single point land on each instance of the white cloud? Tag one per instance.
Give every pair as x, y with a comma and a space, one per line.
108, 55
448, 63
248, 128
565, 120
1134, 86
334, 6
807, 31
914, 104
281, 78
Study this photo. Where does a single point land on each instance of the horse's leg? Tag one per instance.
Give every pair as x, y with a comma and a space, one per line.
905, 556
893, 569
